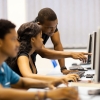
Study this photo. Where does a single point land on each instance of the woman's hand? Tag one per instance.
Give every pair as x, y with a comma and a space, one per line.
55, 83
71, 77
67, 93
63, 80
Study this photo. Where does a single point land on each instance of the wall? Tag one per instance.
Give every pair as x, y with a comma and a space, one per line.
77, 18
3, 9
16, 11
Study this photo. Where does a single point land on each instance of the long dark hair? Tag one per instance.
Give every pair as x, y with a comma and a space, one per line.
25, 33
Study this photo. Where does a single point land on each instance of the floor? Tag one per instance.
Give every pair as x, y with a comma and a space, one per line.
44, 66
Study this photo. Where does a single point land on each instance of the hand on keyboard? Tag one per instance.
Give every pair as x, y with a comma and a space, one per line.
79, 73
72, 77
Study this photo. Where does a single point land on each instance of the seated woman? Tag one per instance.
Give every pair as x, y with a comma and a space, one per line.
29, 36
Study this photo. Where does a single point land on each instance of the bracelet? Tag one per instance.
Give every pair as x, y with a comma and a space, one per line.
62, 68
37, 96
45, 95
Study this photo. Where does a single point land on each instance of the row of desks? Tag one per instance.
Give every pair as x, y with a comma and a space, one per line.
82, 86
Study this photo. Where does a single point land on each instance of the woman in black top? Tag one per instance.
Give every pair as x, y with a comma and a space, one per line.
30, 38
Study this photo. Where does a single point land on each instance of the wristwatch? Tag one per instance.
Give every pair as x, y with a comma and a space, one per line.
62, 68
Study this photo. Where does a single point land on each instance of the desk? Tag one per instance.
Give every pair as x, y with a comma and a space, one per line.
82, 87
83, 93
56, 71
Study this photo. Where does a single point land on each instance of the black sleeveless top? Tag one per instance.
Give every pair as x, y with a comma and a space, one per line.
12, 62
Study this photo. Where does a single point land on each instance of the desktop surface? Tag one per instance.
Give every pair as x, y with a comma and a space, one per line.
83, 85
83, 92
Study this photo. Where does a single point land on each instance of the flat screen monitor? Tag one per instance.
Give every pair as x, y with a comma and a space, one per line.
89, 48
93, 50
97, 57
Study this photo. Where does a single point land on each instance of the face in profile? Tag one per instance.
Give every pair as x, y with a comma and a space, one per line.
9, 45
49, 27
38, 41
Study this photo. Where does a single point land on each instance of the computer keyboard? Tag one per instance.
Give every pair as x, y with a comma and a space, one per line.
88, 63
77, 67
89, 75
80, 73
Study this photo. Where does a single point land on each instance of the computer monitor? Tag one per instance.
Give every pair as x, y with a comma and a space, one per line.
89, 48
93, 50
97, 57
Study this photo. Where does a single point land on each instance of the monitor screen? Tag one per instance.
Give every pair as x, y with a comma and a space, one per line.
97, 57
89, 48
93, 50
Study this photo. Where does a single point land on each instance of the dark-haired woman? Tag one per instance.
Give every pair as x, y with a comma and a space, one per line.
29, 36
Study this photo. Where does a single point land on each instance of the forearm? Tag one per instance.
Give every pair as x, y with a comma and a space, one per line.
33, 83
61, 61
14, 94
42, 77
53, 54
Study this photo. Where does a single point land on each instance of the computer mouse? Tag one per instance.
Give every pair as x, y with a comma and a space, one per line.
74, 64
70, 81
73, 81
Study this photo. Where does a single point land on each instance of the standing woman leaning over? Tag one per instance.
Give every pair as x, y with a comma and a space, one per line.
30, 38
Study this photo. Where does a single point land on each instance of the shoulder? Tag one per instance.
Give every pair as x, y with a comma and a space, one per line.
14, 78
6, 67
22, 53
